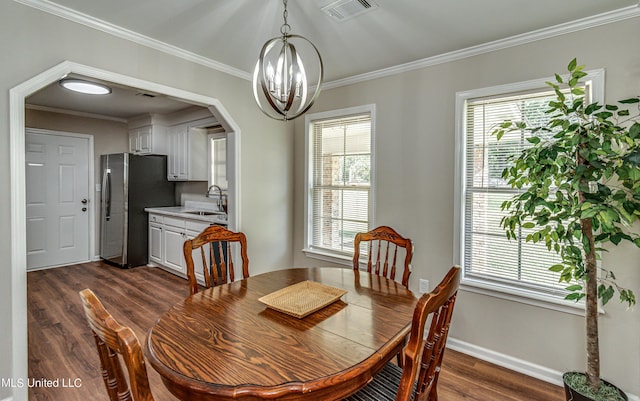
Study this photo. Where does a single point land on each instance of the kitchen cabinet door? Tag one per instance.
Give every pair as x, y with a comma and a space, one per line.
147, 140
187, 153
173, 255
155, 243
177, 155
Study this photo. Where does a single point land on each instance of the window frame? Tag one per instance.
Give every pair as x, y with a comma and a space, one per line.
309, 249
595, 80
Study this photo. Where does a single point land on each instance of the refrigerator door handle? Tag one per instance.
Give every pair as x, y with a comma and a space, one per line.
106, 193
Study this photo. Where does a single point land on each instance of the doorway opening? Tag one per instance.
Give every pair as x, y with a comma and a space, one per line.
17, 96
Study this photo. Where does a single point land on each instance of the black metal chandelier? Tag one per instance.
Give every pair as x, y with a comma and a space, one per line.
280, 83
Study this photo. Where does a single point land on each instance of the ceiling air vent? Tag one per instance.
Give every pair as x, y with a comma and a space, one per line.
343, 10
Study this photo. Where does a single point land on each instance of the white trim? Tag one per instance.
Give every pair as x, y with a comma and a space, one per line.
596, 79
115, 30
308, 120
501, 44
74, 113
17, 96
93, 202
518, 365
521, 296
8, 399
328, 256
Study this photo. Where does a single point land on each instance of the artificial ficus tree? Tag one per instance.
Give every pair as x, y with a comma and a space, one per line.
580, 188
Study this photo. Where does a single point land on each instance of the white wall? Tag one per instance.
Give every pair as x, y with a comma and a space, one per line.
32, 42
415, 192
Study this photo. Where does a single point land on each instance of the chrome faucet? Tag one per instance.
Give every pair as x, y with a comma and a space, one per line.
219, 203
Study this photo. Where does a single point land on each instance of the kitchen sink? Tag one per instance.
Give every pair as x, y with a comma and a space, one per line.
202, 212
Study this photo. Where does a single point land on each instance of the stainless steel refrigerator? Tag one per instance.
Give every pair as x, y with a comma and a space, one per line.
130, 183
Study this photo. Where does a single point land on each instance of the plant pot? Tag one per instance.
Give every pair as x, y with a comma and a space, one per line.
573, 395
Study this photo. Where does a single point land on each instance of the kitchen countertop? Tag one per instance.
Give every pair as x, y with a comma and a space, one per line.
183, 212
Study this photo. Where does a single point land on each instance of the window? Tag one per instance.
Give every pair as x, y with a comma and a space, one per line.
218, 159
338, 181
492, 264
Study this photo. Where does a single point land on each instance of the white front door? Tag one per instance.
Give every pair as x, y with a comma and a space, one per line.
57, 192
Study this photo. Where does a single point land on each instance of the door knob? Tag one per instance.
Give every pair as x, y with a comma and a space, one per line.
84, 201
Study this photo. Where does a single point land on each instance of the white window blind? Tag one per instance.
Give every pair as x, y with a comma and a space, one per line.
340, 182
488, 256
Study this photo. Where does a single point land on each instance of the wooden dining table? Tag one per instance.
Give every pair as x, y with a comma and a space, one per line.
222, 343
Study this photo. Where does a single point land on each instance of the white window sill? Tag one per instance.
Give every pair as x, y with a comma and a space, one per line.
328, 256
523, 296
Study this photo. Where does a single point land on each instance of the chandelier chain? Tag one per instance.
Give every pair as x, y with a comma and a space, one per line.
285, 28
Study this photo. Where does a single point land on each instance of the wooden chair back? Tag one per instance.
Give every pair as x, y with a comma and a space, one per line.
215, 256
383, 244
113, 339
423, 355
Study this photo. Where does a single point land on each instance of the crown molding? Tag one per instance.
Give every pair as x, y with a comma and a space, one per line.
115, 30
533, 36
541, 34
73, 113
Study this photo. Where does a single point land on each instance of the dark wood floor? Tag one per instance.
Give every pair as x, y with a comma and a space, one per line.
61, 346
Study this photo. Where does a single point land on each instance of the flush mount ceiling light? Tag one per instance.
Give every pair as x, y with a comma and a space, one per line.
280, 84
82, 86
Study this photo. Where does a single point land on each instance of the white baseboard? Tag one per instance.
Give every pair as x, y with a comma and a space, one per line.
8, 399
519, 365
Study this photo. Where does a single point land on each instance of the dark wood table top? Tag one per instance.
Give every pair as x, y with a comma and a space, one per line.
222, 343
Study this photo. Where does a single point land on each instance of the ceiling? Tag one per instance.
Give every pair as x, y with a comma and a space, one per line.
230, 33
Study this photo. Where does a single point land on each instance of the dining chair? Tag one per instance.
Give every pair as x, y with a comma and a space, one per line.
418, 378
113, 339
214, 244
384, 240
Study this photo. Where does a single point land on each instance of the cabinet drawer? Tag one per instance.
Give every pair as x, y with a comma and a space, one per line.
197, 226
155, 218
174, 222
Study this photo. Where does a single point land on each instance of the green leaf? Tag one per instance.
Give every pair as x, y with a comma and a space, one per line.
630, 101
605, 293
558, 79
575, 287
574, 297
633, 158
557, 268
572, 65
591, 108
587, 213
528, 225
604, 115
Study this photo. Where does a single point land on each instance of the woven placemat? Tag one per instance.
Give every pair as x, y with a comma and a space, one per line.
303, 298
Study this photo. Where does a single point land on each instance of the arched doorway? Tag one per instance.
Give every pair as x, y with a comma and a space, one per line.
17, 96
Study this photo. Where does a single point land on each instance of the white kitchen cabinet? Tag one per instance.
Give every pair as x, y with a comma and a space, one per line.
167, 235
187, 151
147, 135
